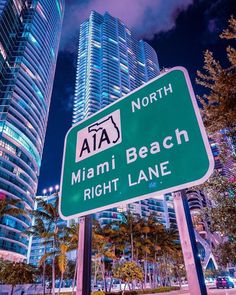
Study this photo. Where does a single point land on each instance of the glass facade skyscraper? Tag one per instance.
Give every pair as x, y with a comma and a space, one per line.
110, 64
29, 40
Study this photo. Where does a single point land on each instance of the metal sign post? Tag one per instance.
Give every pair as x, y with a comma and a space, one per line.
192, 262
83, 282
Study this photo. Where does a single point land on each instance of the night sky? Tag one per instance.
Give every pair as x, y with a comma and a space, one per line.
179, 30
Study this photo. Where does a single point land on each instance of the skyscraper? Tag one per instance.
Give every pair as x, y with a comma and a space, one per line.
29, 41
110, 64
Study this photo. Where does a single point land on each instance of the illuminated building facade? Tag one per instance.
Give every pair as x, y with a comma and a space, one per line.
29, 40
110, 64
205, 239
162, 207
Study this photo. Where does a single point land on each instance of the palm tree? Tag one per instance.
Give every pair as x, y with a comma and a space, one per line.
72, 237
41, 230
59, 255
102, 249
62, 261
150, 239
155, 235
146, 244
116, 243
67, 240
133, 233
167, 244
49, 215
11, 207
177, 265
129, 229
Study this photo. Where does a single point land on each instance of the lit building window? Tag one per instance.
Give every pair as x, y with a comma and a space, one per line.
33, 40
40, 10
2, 51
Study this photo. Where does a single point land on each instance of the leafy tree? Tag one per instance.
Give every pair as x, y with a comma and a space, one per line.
219, 114
168, 246
222, 213
128, 271
2, 269
70, 270
226, 253
219, 106
222, 216
14, 273
154, 239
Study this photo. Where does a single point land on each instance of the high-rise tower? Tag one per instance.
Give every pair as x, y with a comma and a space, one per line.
29, 40
110, 64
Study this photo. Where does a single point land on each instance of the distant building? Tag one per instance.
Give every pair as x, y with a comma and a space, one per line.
220, 140
162, 207
206, 240
29, 41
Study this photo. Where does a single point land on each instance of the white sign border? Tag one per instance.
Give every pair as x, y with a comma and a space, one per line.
157, 193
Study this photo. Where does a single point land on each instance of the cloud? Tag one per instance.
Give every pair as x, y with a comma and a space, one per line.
144, 17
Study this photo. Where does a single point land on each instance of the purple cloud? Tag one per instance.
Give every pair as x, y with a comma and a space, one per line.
144, 17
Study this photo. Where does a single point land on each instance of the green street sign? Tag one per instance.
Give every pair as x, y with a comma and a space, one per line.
148, 143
